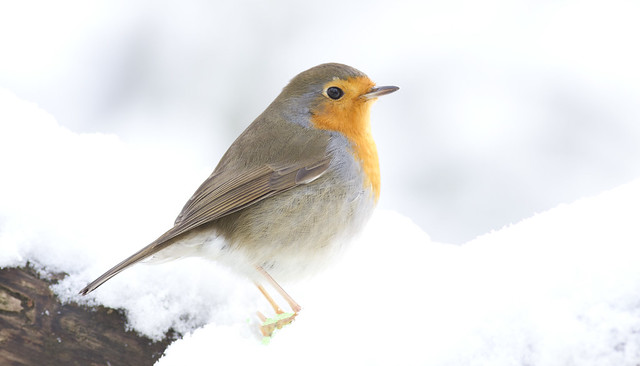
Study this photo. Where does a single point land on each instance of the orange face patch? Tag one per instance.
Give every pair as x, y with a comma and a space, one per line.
349, 115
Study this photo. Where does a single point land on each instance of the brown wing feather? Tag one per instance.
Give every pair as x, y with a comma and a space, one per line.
211, 202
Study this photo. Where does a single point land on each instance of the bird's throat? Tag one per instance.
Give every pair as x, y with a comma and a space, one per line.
354, 123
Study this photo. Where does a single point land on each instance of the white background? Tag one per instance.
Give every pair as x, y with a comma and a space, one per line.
506, 108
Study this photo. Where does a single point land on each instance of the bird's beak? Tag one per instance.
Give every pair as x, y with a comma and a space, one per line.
377, 91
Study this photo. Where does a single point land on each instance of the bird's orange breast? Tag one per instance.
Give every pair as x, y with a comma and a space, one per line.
351, 116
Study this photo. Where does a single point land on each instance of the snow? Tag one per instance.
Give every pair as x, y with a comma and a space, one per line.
559, 288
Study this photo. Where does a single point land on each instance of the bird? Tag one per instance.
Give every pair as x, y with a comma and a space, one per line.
296, 186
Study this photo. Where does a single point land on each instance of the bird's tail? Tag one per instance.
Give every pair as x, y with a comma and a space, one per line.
142, 254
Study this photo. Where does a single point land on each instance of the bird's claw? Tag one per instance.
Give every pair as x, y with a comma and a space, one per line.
269, 325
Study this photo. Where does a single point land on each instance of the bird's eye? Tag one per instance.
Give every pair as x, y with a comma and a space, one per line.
334, 92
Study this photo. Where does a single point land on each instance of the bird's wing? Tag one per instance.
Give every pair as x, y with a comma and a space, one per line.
221, 194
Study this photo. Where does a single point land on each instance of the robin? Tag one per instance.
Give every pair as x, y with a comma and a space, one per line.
289, 192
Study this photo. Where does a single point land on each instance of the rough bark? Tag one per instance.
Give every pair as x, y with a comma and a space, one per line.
36, 329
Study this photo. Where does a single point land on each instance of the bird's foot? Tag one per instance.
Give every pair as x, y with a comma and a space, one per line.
269, 325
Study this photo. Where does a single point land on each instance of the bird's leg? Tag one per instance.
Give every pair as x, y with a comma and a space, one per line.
261, 316
275, 306
294, 305
281, 319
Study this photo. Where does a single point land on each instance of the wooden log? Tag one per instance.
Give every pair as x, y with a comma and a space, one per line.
36, 329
